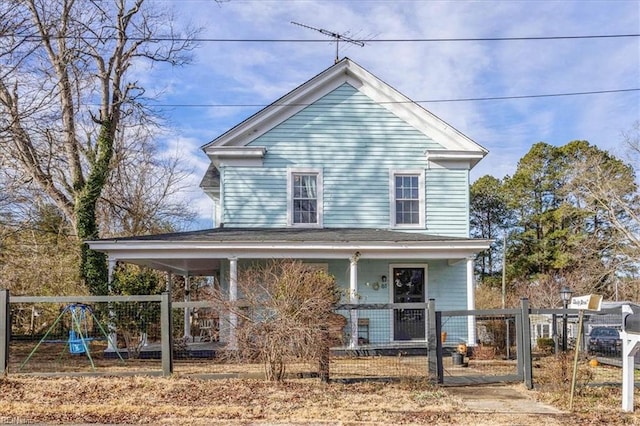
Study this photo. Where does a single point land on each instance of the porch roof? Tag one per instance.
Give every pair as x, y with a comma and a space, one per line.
200, 252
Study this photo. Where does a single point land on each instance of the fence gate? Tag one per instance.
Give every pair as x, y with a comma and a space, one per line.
380, 341
483, 346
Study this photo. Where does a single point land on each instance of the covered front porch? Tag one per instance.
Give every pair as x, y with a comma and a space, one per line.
371, 266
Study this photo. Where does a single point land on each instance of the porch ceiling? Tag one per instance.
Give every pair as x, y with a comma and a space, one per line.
200, 252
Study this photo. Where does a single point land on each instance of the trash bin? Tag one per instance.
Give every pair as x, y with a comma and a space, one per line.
457, 358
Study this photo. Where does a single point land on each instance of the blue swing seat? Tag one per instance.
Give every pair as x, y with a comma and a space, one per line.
78, 341
76, 345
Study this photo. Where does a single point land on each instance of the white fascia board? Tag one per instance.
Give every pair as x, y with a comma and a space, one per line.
213, 193
443, 157
236, 155
330, 250
236, 151
285, 107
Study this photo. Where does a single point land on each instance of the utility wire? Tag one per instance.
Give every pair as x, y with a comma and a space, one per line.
548, 95
296, 40
491, 98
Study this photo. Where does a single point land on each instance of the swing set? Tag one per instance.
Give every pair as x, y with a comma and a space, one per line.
79, 336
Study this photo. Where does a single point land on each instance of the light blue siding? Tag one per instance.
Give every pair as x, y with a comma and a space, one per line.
447, 202
255, 197
355, 142
445, 284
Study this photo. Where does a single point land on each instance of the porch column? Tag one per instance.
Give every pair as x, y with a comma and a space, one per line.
471, 305
110, 270
187, 310
353, 297
169, 284
113, 337
233, 297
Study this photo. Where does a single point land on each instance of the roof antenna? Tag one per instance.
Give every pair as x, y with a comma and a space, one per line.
335, 36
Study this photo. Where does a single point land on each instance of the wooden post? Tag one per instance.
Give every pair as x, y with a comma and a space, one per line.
433, 355
575, 359
520, 360
166, 322
323, 362
5, 331
526, 344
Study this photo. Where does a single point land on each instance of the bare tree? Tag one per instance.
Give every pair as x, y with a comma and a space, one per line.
37, 256
143, 192
67, 90
606, 188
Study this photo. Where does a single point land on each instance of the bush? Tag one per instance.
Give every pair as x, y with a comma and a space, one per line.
284, 312
545, 345
555, 372
484, 353
134, 320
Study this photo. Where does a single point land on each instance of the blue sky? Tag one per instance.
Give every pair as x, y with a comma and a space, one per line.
229, 74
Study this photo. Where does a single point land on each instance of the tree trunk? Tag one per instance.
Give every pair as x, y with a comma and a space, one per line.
93, 265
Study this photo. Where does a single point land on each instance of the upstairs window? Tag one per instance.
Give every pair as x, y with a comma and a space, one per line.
407, 200
305, 197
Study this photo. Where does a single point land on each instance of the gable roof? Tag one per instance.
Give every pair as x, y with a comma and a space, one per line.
457, 146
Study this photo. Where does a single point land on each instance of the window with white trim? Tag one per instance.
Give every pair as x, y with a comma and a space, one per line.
407, 199
304, 200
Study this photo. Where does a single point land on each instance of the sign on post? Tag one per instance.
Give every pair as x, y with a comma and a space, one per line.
590, 302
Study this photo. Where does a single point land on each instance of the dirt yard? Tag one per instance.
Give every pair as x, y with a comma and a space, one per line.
184, 400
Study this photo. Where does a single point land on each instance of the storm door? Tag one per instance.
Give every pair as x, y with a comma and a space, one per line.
409, 287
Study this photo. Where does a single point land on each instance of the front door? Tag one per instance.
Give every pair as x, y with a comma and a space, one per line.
409, 287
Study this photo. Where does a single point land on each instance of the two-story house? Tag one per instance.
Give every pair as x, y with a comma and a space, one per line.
343, 172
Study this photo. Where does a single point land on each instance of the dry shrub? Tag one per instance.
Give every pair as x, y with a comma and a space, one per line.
495, 334
545, 345
283, 315
555, 373
484, 352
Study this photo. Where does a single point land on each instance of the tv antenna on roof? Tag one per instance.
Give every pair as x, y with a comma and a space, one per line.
333, 35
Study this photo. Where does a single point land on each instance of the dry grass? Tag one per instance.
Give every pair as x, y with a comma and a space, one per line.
191, 401
184, 399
